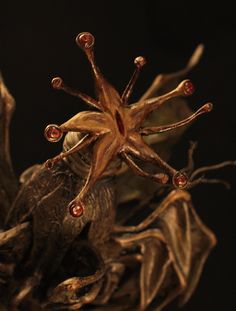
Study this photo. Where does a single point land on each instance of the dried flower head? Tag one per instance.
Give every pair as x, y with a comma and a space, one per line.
115, 127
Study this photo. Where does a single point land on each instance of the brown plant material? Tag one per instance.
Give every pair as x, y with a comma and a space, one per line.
7, 178
103, 256
117, 127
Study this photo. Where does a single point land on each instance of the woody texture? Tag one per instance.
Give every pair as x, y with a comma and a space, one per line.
108, 224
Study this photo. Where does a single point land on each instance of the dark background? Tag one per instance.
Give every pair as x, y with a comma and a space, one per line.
37, 43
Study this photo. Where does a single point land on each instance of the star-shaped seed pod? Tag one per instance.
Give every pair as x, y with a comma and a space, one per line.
115, 127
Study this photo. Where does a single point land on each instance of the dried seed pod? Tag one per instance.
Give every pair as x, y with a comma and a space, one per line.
116, 127
51, 259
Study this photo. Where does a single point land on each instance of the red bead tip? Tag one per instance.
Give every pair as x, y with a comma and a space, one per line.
85, 40
57, 83
188, 88
140, 61
76, 209
208, 107
180, 180
53, 133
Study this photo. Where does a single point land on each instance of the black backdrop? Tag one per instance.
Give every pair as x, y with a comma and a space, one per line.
37, 43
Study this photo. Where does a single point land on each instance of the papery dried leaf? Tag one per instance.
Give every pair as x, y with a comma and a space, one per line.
175, 244
14, 244
8, 182
203, 240
155, 265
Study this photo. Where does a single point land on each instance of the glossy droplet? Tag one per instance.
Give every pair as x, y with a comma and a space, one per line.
85, 40
188, 88
53, 133
140, 61
76, 210
180, 180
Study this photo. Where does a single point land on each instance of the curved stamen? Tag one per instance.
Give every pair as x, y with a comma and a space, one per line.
159, 178
211, 168
185, 88
85, 41
165, 128
139, 62
108, 97
141, 110
82, 143
162, 80
202, 180
190, 166
58, 84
